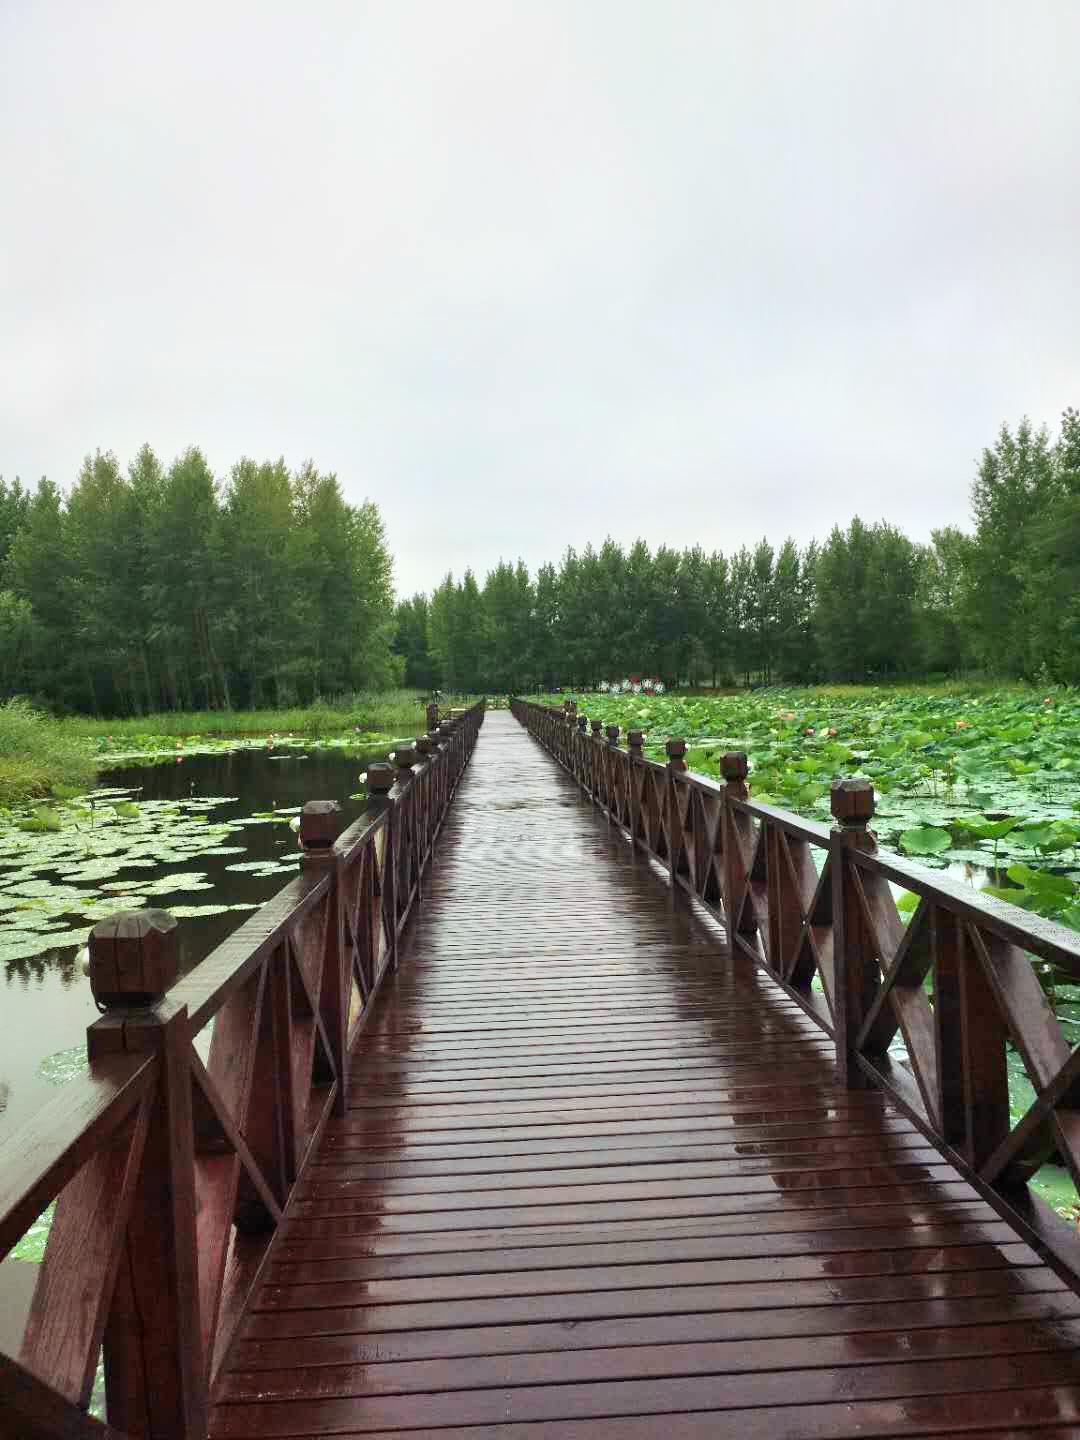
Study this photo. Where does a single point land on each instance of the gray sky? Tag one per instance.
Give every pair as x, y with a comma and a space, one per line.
529, 273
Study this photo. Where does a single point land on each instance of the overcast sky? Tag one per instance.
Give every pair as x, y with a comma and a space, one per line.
531, 273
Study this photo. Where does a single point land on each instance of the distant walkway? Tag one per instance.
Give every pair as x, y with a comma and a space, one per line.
596, 1181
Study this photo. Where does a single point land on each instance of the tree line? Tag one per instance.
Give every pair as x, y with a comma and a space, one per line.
866, 603
166, 588
162, 588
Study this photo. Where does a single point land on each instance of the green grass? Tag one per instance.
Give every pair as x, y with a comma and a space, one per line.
38, 754
394, 712
41, 756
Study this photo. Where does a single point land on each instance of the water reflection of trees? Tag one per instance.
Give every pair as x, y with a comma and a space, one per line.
33, 969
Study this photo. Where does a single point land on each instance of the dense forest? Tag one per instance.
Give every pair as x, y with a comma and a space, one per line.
160, 589
866, 603
156, 589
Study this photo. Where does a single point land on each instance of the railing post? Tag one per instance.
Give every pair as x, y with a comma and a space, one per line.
598, 759
856, 973
635, 753
610, 761
579, 741
675, 750
405, 757
431, 715
456, 747
445, 732
155, 1367
734, 767
380, 783
320, 823
950, 970
425, 753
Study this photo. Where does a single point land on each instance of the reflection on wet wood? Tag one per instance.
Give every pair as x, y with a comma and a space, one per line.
596, 1178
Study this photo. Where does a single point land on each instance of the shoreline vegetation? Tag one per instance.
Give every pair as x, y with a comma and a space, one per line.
45, 757
39, 756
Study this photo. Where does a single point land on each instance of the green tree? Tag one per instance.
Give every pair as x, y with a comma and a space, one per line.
40, 571
1012, 497
256, 550
14, 504
412, 643
943, 603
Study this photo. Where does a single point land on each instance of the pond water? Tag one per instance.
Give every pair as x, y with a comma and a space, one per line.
203, 838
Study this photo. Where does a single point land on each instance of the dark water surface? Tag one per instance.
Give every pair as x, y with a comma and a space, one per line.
45, 1001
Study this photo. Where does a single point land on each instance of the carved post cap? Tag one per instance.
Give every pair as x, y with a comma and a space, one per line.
734, 765
424, 744
380, 777
583, 723
405, 757
852, 802
635, 739
134, 958
597, 726
319, 824
612, 733
676, 751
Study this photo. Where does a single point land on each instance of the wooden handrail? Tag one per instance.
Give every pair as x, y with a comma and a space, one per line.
831, 936
170, 1174
29, 1410
44, 1153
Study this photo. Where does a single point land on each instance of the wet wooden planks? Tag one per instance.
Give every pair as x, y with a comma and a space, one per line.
596, 1181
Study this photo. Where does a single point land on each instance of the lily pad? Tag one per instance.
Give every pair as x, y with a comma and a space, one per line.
58, 1069
926, 840
192, 912
178, 882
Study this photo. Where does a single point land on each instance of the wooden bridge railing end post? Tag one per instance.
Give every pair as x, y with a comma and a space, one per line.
155, 1367
320, 824
380, 783
856, 975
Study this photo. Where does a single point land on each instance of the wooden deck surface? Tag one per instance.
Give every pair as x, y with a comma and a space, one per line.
596, 1181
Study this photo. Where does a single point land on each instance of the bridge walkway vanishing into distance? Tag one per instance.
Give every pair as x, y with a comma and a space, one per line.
597, 1178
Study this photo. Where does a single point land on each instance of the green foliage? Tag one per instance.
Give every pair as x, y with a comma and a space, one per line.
1055, 896
169, 590
963, 775
1023, 566
36, 753
363, 718
867, 604
925, 840
857, 607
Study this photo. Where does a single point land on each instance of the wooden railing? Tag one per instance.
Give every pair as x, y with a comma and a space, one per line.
927, 1010
170, 1171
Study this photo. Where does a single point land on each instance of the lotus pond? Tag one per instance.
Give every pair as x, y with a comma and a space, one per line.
205, 832
983, 783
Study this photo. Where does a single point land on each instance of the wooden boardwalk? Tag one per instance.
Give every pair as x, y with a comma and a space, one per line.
595, 1180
